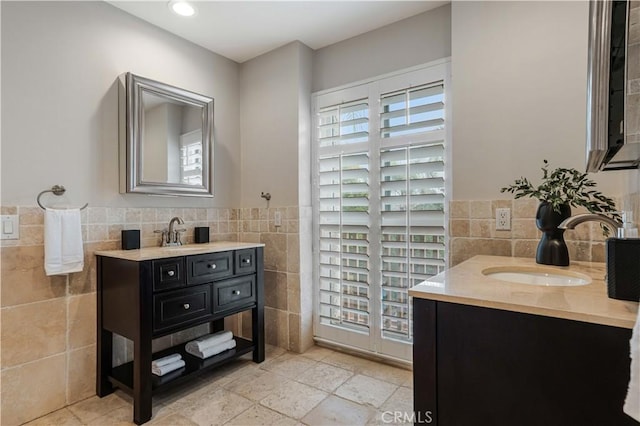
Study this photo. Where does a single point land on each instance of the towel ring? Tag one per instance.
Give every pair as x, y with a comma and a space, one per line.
57, 190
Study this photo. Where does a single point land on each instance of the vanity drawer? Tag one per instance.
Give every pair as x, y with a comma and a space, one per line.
168, 273
234, 293
181, 306
245, 261
204, 268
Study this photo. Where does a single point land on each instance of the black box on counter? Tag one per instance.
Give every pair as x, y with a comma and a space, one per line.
201, 234
623, 268
130, 239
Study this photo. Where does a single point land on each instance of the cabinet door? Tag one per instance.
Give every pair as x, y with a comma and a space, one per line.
181, 307
507, 368
233, 294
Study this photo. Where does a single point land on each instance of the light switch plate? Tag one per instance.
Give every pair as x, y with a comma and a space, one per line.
10, 228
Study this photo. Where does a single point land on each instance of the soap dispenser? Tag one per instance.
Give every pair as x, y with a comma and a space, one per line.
629, 229
623, 262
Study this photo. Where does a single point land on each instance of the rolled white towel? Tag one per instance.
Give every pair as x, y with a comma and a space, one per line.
212, 350
166, 360
167, 368
204, 342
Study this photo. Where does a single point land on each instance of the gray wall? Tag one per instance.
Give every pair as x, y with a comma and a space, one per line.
412, 41
274, 87
519, 78
60, 61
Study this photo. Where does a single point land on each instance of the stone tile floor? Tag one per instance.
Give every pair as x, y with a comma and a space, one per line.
319, 387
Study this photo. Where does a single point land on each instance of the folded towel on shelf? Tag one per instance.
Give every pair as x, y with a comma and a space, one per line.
212, 350
167, 368
204, 342
632, 403
166, 360
63, 252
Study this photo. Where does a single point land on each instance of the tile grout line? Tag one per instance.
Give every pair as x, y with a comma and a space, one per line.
67, 339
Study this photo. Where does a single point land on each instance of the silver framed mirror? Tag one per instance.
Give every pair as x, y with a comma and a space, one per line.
613, 133
166, 142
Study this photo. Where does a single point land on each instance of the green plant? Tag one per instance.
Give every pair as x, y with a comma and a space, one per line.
564, 186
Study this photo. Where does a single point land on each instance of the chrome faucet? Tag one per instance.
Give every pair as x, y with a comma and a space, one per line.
612, 224
171, 236
174, 235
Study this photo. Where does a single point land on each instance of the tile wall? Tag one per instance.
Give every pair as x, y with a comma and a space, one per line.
48, 323
472, 232
283, 322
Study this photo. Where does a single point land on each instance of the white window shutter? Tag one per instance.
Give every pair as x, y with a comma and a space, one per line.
379, 205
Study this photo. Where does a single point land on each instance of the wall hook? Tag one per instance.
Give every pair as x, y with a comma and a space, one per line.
266, 196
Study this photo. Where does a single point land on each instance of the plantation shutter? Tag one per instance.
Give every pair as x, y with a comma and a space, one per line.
379, 195
412, 111
344, 222
412, 198
344, 124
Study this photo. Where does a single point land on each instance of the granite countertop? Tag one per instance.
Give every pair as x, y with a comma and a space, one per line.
149, 253
465, 284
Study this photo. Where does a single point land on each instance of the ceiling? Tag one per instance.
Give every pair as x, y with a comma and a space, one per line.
241, 30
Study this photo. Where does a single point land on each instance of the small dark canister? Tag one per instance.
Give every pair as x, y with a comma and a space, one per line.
130, 239
201, 234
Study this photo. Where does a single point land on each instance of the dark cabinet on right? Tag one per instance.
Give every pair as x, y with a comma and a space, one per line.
481, 366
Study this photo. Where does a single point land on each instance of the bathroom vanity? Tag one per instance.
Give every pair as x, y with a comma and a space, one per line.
152, 292
493, 352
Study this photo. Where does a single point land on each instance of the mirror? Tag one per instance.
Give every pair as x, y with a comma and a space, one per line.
166, 139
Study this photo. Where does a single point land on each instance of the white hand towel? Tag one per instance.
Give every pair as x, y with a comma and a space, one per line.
213, 350
166, 360
204, 342
62, 242
167, 368
632, 403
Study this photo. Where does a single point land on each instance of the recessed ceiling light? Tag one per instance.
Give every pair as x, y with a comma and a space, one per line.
182, 8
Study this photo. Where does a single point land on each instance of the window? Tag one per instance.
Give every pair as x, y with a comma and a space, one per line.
379, 209
191, 158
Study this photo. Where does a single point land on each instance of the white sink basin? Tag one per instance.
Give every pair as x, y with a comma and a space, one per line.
537, 275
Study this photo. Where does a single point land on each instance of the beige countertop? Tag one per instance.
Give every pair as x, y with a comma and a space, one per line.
466, 284
149, 253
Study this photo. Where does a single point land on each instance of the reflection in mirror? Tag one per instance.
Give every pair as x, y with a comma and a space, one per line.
171, 141
168, 139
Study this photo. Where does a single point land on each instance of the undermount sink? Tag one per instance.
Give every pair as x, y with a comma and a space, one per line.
537, 275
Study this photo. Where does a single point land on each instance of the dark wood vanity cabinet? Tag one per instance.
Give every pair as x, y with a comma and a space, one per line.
476, 365
145, 299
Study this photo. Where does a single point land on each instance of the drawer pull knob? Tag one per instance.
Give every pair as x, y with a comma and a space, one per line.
212, 266
236, 292
186, 306
247, 261
171, 273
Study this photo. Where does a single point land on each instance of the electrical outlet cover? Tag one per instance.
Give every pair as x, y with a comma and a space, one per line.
503, 219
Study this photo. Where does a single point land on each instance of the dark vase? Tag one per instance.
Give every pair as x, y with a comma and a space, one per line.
552, 250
